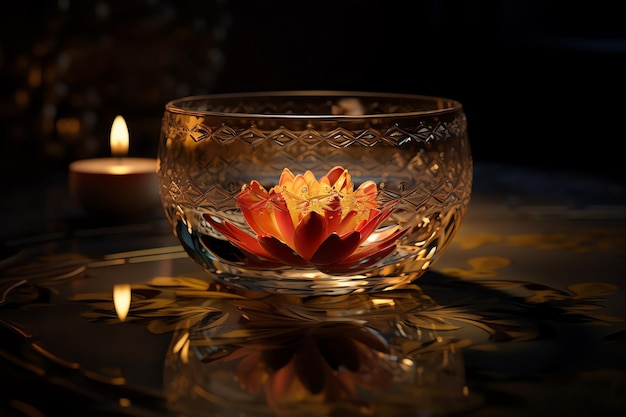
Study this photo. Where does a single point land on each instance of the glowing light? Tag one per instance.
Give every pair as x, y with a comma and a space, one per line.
121, 300
181, 342
182, 347
119, 137
382, 302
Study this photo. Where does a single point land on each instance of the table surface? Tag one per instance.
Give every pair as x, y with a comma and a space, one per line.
525, 314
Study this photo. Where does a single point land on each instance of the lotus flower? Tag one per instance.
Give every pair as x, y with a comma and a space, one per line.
305, 222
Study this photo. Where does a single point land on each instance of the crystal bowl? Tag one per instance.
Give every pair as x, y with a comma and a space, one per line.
315, 192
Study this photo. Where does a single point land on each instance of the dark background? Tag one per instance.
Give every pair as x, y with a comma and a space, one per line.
541, 81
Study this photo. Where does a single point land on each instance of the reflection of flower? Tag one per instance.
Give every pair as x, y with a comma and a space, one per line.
304, 222
328, 354
313, 362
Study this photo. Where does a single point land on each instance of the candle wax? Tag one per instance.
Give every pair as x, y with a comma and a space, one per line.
115, 186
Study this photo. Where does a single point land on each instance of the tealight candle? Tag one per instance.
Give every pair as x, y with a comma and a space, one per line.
118, 185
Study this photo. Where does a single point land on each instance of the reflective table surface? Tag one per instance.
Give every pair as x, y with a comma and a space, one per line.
524, 315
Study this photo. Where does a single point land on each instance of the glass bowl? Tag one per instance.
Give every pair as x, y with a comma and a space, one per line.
315, 192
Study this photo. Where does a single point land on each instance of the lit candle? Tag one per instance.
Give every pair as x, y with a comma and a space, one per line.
115, 186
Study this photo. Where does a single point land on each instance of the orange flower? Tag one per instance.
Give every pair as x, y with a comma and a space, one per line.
303, 222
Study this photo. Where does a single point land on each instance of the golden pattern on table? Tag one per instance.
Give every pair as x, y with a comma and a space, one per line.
583, 241
164, 303
266, 336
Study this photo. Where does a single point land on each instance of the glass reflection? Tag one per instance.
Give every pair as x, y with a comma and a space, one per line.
288, 356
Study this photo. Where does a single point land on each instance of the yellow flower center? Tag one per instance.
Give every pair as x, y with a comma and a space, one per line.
305, 194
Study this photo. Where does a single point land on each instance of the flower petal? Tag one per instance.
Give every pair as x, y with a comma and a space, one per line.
236, 236
366, 194
309, 234
253, 195
281, 251
282, 385
284, 222
262, 217
285, 177
249, 374
371, 225
255, 255
332, 214
335, 174
348, 223
366, 256
310, 366
335, 248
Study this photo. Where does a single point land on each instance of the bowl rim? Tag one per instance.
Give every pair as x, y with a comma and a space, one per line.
440, 105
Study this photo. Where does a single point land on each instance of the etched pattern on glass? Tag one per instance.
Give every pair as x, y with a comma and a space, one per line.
423, 167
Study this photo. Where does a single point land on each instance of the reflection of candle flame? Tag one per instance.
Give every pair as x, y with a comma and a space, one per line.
119, 137
121, 300
182, 346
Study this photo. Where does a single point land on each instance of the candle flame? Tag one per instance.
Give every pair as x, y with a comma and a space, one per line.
121, 300
119, 137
